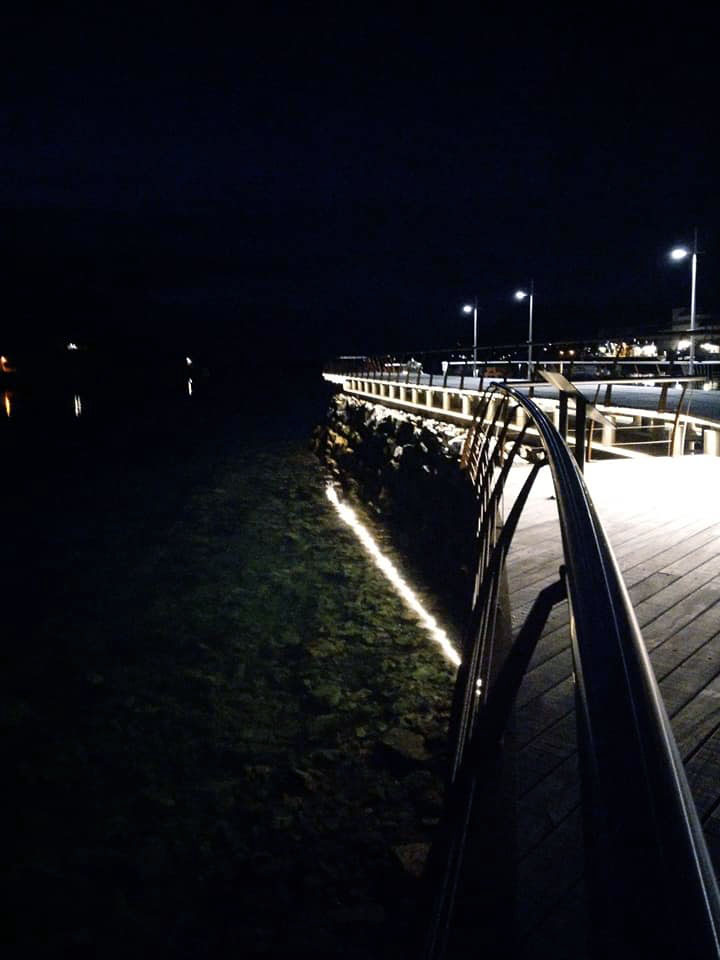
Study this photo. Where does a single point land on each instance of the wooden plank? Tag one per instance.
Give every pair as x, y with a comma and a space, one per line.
698, 719
699, 553
563, 932
658, 626
653, 537
648, 527
690, 677
712, 836
703, 773
545, 676
548, 803
557, 637
650, 586
677, 558
548, 874
530, 529
556, 699
543, 711
662, 614
675, 651
541, 755
528, 556
521, 599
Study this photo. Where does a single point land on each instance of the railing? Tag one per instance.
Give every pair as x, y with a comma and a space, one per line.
589, 359
651, 886
656, 423
651, 882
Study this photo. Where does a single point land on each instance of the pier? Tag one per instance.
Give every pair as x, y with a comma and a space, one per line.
607, 706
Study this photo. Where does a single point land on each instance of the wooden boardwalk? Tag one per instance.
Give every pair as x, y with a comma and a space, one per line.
662, 517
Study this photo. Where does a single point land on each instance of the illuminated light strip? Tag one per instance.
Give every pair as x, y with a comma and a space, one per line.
348, 515
386, 401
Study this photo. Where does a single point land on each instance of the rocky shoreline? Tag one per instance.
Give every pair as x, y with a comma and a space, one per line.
232, 740
405, 470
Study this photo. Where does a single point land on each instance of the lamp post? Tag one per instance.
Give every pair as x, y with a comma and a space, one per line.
522, 295
473, 309
681, 253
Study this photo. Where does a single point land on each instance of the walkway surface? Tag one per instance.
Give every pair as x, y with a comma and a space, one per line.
663, 522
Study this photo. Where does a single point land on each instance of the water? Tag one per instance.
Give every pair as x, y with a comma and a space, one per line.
201, 667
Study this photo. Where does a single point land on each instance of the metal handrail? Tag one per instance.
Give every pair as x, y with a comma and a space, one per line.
506, 356
652, 883
645, 838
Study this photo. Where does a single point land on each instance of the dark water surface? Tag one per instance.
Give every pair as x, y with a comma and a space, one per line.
204, 682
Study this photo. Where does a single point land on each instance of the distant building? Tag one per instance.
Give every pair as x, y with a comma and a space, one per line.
703, 321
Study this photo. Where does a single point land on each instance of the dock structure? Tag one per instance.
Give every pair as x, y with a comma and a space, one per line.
605, 655
663, 523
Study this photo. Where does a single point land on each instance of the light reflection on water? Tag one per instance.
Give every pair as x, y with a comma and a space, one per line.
70, 403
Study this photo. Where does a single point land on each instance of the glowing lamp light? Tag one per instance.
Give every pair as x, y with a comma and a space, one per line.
408, 595
467, 308
188, 361
679, 253
72, 346
683, 344
520, 294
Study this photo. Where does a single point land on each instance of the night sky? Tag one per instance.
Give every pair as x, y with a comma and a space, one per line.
309, 179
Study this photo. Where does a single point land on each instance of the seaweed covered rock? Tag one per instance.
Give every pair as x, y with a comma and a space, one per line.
406, 469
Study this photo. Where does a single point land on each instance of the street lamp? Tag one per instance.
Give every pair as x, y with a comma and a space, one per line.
473, 308
522, 295
682, 253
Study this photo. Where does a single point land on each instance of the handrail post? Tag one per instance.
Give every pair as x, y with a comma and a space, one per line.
580, 419
563, 419
677, 437
462, 375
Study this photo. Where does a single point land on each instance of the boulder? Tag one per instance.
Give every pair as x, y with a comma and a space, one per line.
402, 750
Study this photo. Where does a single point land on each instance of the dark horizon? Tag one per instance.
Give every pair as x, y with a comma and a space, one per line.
322, 183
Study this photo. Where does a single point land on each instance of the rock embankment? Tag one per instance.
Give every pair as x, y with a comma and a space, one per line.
232, 742
406, 469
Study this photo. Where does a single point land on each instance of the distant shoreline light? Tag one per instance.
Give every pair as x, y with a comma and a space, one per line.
390, 571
